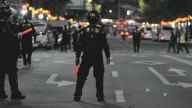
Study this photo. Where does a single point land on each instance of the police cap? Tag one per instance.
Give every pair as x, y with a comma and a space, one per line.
93, 17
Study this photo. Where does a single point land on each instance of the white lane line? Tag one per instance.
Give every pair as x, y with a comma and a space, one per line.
178, 59
159, 76
166, 82
36, 60
115, 74
179, 72
112, 63
59, 61
52, 78
120, 96
62, 83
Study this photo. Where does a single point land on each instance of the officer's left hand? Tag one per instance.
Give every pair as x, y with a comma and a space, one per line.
108, 60
77, 61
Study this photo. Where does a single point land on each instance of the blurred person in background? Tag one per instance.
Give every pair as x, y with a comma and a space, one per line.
136, 40
173, 41
183, 41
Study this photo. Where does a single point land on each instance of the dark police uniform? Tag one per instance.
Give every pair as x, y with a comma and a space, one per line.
26, 43
172, 42
9, 53
136, 40
91, 44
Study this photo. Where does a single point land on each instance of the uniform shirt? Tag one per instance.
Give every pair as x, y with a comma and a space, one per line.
26, 40
92, 42
136, 35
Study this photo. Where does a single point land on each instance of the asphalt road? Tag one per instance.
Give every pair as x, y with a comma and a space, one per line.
151, 79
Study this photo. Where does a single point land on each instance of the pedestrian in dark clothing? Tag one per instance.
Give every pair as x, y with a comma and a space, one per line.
90, 46
183, 42
27, 43
68, 38
136, 40
172, 42
75, 37
56, 36
9, 53
65, 39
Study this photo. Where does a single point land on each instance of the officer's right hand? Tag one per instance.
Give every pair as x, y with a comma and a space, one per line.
108, 60
77, 61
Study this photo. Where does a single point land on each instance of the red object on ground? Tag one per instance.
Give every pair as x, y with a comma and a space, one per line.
26, 32
75, 70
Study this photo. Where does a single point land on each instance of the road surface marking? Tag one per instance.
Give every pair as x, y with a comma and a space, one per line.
178, 59
120, 54
112, 63
179, 72
159, 76
146, 62
59, 61
184, 85
36, 60
120, 96
52, 78
166, 82
46, 56
138, 55
67, 61
115, 74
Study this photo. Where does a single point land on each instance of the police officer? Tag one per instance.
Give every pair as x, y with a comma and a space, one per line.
172, 42
9, 53
136, 40
26, 42
90, 46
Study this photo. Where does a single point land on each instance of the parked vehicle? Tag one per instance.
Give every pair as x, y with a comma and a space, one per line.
147, 33
165, 33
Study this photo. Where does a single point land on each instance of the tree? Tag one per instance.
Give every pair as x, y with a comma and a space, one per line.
156, 10
56, 6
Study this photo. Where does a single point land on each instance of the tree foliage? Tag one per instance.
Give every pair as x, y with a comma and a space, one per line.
166, 9
56, 6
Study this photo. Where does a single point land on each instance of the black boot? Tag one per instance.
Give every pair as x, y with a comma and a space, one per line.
100, 99
17, 96
77, 98
3, 96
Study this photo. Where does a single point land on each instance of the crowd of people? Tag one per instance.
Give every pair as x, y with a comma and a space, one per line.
179, 40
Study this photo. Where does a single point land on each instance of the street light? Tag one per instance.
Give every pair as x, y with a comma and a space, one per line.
128, 12
110, 11
24, 12
41, 16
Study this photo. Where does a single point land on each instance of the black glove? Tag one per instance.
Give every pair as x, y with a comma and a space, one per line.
77, 61
108, 60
